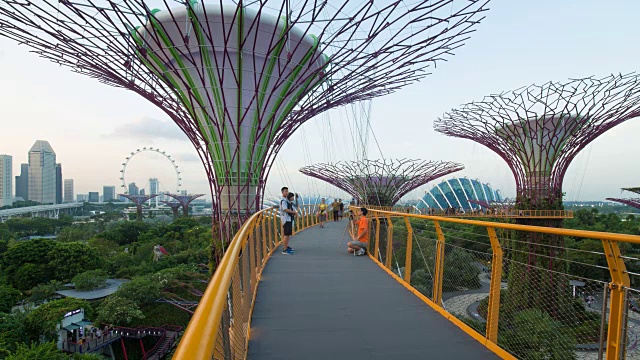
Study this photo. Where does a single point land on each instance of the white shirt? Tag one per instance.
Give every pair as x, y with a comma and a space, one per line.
285, 216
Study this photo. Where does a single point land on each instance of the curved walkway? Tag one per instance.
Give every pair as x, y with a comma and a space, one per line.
325, 304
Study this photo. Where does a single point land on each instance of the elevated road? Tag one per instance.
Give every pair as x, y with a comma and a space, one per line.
49, 211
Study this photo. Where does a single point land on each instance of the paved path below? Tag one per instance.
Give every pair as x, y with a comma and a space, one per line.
325, 304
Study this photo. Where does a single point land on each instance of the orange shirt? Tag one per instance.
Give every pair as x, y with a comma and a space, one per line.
363, 228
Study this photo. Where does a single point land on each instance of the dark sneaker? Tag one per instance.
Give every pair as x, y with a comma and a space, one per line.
289, 248
287, 252
360, 252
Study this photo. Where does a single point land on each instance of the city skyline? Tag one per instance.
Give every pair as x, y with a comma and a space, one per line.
120, 121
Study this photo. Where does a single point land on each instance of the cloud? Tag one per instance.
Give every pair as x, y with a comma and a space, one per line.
148, 129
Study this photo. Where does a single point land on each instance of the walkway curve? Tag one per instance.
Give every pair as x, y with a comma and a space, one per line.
325, 304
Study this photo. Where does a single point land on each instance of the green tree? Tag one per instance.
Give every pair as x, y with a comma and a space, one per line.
126, 232
141, 290
115, 310
44, 319
27, 264
13, 331
90, 280
537, 336
8, 297
70, 259
46, 351
44, 292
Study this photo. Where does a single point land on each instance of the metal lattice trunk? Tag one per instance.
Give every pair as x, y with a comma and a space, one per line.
138, 200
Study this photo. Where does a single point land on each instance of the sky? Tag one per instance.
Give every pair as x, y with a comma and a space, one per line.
93, 127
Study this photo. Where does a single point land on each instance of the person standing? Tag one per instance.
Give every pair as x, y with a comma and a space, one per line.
322, 212
341, 212
335, 208
286, 216
359, 243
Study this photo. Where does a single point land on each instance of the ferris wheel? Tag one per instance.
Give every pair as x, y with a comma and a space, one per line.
123, 172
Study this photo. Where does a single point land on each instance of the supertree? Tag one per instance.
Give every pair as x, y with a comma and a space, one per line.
380, 182
538, 130
138, 200
630, 202
175, 206
185, 200
240, 79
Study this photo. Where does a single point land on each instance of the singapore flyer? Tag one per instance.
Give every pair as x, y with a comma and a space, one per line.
136, 168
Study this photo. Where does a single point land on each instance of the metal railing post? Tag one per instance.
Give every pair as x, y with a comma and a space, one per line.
263, 228
493, 310
407, 261
389, 243
439, 265
619, 281
603, 321
376, 249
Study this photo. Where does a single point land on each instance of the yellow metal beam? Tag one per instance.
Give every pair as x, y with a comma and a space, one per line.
377, 247
407, 261
389, 242
619, 281
438, 275
493, 310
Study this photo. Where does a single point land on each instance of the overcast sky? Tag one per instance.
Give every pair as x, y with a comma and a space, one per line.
93, 127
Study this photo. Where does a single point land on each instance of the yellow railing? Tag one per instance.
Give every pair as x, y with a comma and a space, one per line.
220, 326
483, 213
575, 306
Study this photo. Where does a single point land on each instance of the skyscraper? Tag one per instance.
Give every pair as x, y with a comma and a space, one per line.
58, 183
22, 183
82, 198
68, 190
42, 173
153, 186
108, 193
94, 196
133, 189
6, 180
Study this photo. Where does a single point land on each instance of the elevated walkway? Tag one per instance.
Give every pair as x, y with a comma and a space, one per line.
323, 303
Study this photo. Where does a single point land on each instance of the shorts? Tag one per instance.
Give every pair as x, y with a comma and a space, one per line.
288, 228
358, 243
323, 217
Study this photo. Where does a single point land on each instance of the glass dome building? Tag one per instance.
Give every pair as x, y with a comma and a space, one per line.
457, 192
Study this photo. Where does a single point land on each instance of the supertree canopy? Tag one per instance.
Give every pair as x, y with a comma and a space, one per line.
539, 129
174, 205
184, 201
630, 202
380, 182
138, 200
239, 79
632, 189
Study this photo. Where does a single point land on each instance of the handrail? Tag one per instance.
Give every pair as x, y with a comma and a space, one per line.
550, 289
632, 239
228, 300
199, 338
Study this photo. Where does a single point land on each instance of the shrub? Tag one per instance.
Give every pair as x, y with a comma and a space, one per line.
90, 280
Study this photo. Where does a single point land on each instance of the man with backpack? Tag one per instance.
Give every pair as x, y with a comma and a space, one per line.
287, 214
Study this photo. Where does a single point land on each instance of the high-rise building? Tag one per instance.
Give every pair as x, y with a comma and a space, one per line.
68, 190
42, 173
142, 192
94, 196
6, 180
108, 193
82, 198
153, 186
183, 192
133, 189
22, 182
58, 183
